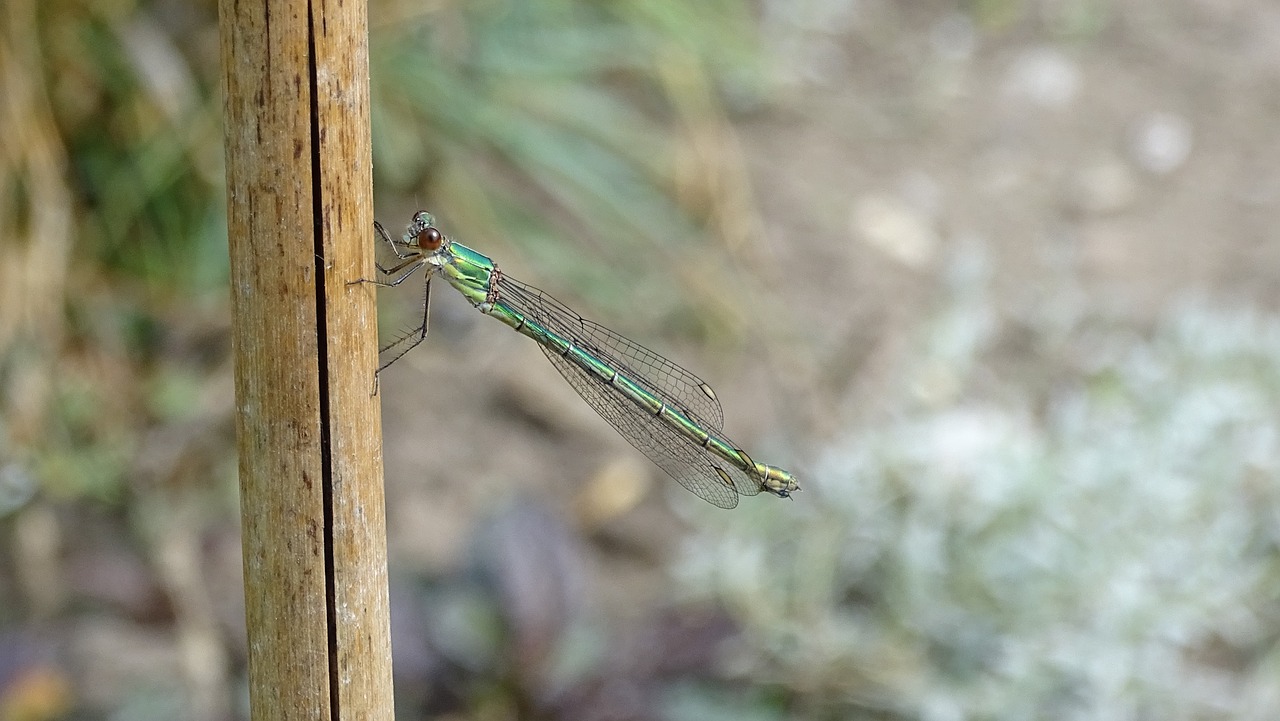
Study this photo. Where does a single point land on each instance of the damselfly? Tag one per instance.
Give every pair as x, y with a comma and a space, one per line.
666, 412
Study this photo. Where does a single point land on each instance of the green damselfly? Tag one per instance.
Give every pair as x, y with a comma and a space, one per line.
666, 412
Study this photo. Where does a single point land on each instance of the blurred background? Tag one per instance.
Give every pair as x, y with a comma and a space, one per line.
997, 279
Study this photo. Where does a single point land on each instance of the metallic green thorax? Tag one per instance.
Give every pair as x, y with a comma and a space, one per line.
468, 271
475, 276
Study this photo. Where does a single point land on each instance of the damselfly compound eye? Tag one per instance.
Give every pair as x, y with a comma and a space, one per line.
430, 239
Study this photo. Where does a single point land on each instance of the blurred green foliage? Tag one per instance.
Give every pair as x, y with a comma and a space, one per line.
552, 114
544, 125
567, 132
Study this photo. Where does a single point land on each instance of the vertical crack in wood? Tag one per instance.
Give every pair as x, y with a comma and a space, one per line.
322, 358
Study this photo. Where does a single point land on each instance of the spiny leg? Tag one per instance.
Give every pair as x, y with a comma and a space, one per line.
415, 336
411, 262
387, 237
407, 341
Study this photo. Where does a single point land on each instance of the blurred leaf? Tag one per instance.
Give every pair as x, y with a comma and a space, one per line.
549, 121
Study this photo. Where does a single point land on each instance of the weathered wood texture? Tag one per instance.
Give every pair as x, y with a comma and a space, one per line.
299, 190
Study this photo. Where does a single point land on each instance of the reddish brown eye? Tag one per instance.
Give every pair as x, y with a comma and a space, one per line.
430, 239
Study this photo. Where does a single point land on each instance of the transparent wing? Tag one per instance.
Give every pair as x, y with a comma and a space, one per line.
676, 386
691, 465
672, 452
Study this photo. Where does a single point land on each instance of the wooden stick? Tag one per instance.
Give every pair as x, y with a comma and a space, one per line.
299, 190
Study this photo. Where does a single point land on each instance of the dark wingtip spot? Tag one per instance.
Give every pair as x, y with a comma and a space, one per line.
724, 477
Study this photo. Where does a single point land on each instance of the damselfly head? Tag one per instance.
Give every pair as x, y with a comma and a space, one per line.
423, 233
